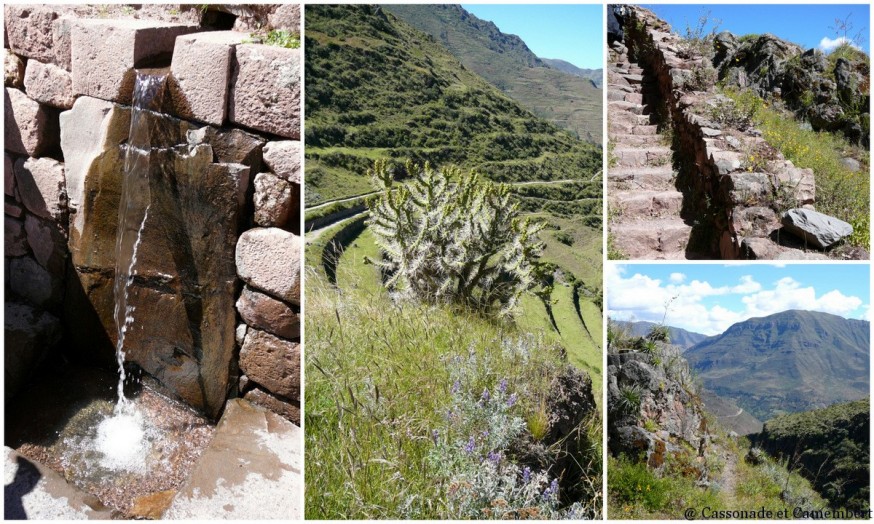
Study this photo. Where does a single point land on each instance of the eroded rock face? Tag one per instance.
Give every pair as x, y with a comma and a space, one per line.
183, 292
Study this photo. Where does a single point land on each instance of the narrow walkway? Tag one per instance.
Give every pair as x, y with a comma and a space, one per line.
644, 204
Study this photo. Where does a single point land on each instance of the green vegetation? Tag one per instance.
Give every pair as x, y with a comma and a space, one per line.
831, 446
282, 38
375, 83
839, 191
568, 101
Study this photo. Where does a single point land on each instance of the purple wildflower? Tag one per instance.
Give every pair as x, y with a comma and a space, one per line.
552, 490
512, 400
485, 397
435, 435
502, 387
456, 387
526, 475
495, 456
470, 445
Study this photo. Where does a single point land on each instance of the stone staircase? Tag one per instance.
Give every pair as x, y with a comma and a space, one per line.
644, 204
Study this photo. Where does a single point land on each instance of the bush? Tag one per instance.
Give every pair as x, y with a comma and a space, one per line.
634, 483
565, 238
448, 237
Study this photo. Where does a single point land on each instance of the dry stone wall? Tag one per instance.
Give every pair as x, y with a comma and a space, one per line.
735, 198
216, 289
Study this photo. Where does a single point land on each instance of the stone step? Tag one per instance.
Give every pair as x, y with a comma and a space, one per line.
645, 129
637, 203
253, 465
647, 178
635, 70
650, 156
653, 239
620, 87
618, 115
632, 79
629, 139
635, 98
630, 107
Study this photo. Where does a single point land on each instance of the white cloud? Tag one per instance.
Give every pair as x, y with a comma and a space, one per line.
828, 45
640, 297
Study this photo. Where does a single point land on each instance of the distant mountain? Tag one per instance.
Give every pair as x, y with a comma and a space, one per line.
787, 362
679, 337
596, 76
565, 99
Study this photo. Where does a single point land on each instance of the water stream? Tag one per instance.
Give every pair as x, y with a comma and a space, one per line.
121, 438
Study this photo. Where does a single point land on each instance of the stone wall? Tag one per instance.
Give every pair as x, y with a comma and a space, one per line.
216, 287
736, 186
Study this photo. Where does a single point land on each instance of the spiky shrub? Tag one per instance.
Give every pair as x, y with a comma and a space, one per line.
451, 237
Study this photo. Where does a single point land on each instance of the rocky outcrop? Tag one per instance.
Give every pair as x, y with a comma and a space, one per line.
827, 93
652, 406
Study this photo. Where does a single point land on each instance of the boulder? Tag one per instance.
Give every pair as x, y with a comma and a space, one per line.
272, 362
283, 158
31, 281
29, 334
275, 201
49, 84
263, 312
29, 30
36, 492
817, 229
42, 187
569, 402
30, 128
265, 89
252, 469
13, 69
268, 259
105, 53
201, 72
289, 410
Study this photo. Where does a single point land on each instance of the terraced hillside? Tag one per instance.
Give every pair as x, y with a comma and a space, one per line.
377, 87
564, 96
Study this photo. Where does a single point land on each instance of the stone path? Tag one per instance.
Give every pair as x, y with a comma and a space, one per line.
644, 205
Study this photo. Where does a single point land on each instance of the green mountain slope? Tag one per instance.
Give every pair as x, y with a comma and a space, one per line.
596, 76
787, 362
731, 416
567, 100
831, 446
377, 87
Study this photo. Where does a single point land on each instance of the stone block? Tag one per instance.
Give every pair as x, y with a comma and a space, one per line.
275, 200
105, 54
254, 465
817, 229
8, 175
201, 70
265, 89
230, 145
62, 41
272, 362
47, 242
286, 17
14, 237
284, 158
29, 30
42, 187
13, 71
268, 259
30, 128
288, 409
49, 84
268, 314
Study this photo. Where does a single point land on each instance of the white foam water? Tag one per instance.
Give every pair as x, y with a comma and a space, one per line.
121, 441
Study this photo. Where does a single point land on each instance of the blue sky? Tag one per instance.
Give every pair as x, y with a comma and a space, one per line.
708, 298
574, 33
806, 25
